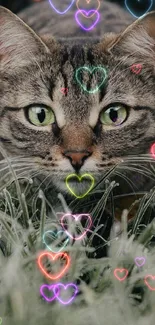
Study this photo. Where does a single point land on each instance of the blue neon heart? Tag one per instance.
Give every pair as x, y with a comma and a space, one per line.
61, 12
130, 4
55, 235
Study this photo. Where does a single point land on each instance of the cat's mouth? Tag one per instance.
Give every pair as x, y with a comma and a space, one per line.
77, 185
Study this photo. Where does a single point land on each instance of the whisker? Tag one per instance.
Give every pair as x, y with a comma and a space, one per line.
129, 182
140, 171
38, 188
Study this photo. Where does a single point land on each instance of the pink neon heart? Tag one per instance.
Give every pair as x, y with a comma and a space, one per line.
64, 91
87, 13
65, 287
136, 68
76, 217
117, 271
152, 278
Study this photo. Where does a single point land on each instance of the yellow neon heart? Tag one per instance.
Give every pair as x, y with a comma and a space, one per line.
80, 178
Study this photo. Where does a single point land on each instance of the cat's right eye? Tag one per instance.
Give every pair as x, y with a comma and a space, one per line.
40, 115
114, 115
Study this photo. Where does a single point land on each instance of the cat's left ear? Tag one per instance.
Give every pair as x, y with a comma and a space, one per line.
138, 38
18, 43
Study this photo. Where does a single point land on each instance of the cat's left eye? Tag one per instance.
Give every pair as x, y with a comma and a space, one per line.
40, 116
114, 115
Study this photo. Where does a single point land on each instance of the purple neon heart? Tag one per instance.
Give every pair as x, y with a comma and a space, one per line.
138, 259
65, 287
49, 287
87, 14
61, 12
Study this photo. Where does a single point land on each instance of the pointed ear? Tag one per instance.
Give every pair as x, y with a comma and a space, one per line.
138, 38
18, 43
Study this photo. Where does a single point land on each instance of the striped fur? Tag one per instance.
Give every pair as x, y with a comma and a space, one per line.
33, 71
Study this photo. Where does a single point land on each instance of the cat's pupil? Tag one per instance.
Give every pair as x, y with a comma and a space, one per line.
41, 115
113, 115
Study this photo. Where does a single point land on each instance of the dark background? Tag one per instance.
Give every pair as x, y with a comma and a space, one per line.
17, 5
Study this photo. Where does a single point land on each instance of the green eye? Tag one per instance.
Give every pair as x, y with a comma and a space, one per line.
40, 116
113, 116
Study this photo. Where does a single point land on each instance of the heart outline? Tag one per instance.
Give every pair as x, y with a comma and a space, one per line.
134, 14
153, 278
90, 71
134, 67
79, 178
49, 288
61, 248
92, 26
88, 3
54, 256
60, 12
64, 91
139, 258
76, 216
120, 270
65, 287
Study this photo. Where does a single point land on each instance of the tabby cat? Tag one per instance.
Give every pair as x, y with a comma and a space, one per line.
77, 132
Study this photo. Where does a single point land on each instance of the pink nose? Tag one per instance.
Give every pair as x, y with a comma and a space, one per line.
76, 157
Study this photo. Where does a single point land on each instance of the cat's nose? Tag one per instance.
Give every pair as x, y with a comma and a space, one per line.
77, 157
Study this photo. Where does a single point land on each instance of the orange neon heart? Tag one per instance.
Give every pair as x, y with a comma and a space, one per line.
53, 256
117, 271
88, 1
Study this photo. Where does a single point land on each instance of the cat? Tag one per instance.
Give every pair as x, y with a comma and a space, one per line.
77, 132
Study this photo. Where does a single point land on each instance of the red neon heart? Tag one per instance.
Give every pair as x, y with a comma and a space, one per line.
76, 217
136, 68
53, 256
64, 91
116, 271
153, 278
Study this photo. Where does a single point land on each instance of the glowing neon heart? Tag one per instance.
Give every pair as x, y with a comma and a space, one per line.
88, 1
61, 12
140, 261
87, 13
53, 257
129, 6
56, 236
50, 288
152, 278
64, 91
0, 320
152, 150
117, 271
91, 71
76, 217
65, 287
136, 68
80, 179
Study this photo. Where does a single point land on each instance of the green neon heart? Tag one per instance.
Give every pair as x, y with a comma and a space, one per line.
0, 320
55, 235
80, 179
91, 70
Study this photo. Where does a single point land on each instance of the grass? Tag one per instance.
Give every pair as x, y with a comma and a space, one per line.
26, 212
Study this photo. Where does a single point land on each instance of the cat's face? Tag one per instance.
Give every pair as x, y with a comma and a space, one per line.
80, 132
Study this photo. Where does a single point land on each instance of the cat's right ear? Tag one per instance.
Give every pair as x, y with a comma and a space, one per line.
138, 39
18, 42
